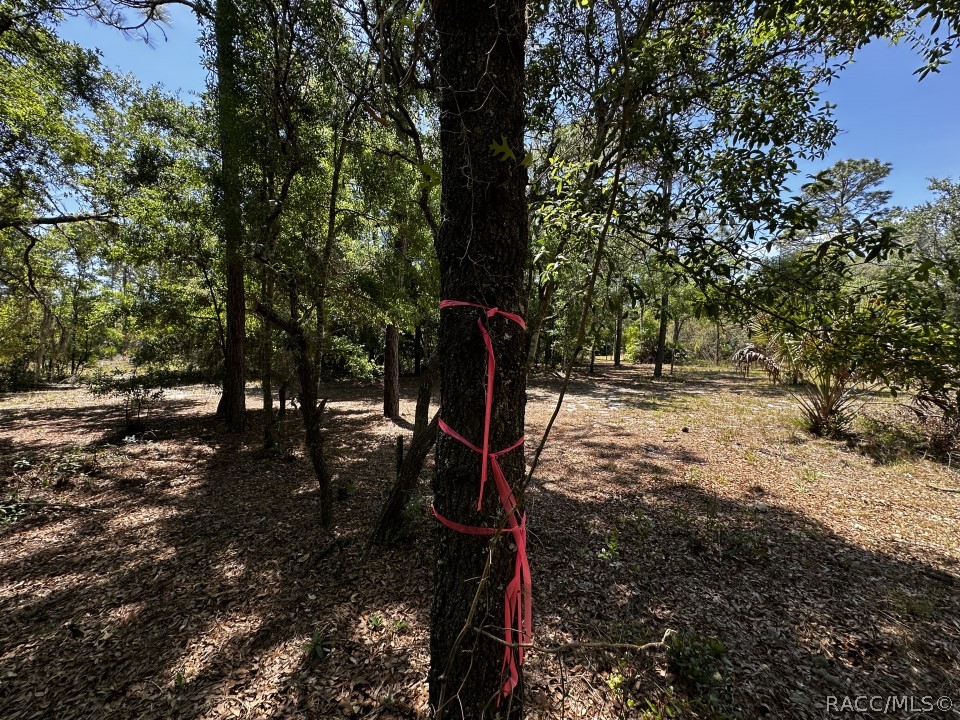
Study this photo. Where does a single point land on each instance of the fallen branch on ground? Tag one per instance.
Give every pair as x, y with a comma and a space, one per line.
566, 647
40, 504
944, 489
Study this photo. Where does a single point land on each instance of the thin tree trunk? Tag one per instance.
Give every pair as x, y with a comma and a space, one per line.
536, 326
391, 373
662, 336
208, 282
266, 370
481, 248
392, 520
232, 406
718, 343
417, 349
390, 523
422, 414
618, 342
323, 271
665, 298
311, 410
46, 328
593, 358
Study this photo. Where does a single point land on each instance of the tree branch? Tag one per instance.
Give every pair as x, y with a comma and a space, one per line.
55, 220
288, 325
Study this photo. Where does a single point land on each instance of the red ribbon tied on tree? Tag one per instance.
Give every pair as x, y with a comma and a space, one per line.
517, 599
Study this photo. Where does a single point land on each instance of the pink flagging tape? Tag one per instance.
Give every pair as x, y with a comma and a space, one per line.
517, 606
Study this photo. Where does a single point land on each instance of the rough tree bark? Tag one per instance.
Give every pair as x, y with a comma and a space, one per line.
391, 373
232, 406
481, 249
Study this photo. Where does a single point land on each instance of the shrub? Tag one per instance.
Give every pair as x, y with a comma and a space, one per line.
828, 400
134, 391
640, 343
14, 374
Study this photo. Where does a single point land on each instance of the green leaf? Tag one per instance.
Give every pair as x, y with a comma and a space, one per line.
432, 176
502, 149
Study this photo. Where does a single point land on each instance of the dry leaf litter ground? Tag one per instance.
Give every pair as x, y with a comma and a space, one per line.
184, 575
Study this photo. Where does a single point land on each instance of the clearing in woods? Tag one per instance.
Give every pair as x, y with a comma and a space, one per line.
184, 576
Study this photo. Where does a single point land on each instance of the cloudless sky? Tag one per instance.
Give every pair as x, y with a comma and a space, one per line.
883, 111
174, 61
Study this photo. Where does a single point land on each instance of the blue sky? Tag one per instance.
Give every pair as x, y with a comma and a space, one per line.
882, 110
174, 61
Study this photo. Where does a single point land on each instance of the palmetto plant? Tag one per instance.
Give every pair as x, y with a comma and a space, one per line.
830, 388
828, 398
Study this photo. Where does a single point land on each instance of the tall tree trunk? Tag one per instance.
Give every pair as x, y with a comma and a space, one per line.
481, 248
662, 336
232, 407
593, 357
391, 373
618, 341
323, 270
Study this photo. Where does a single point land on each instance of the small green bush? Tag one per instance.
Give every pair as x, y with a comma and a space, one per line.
134, 391
318, 646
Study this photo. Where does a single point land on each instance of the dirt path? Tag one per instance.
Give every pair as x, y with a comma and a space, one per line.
184, 575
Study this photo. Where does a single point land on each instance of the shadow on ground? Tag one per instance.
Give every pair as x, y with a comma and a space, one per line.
194, 571
193, 576
799, 613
